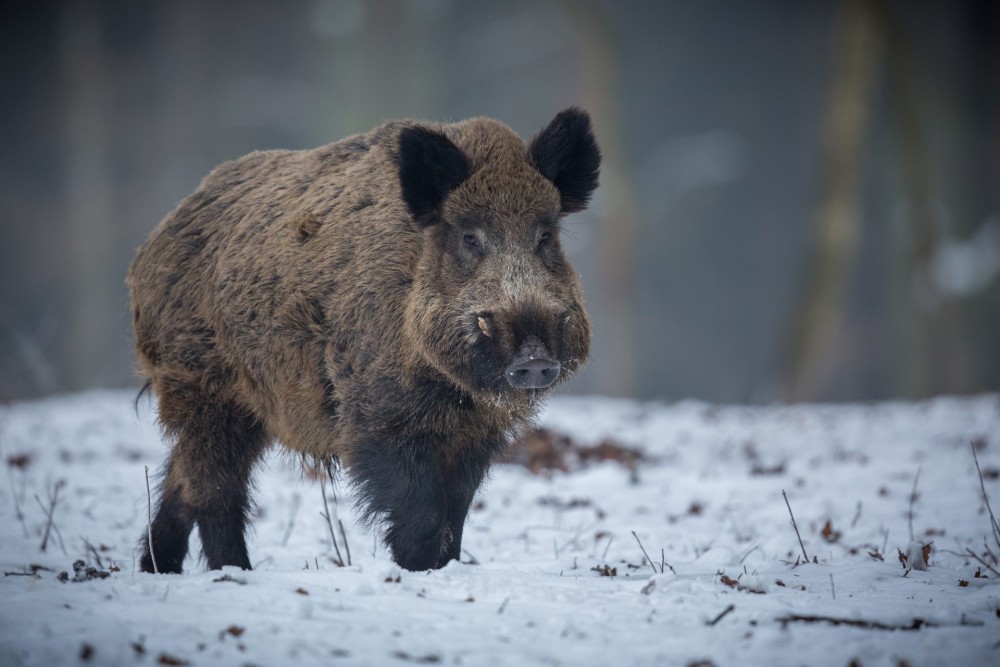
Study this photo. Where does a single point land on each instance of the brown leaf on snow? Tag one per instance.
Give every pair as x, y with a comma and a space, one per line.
963, 583
234, 630
829, 534
167, 659
605, 570
735, 583
19, 461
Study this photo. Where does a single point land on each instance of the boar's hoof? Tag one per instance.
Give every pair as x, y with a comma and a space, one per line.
534, 373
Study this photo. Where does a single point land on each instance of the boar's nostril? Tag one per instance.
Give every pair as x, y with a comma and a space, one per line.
535, 373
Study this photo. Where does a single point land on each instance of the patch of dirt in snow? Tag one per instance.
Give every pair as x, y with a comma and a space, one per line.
674, 546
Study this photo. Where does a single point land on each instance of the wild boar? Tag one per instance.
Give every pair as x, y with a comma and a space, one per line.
396, 303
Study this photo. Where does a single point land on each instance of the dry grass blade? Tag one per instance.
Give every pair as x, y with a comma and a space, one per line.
913, 499
329, 523
795, 525
648, 559
982, 485
149, 523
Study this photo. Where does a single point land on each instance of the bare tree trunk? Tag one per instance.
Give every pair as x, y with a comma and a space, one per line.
88, 194
934, 360
614, 364
856, 47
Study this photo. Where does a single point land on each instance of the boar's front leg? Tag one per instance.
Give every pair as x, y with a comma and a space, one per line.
401, 484
423, 501
463, 479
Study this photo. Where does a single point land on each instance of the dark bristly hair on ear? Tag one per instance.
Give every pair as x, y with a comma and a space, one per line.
430, 166
566, 153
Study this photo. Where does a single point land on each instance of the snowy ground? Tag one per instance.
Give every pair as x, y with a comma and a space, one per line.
709, 497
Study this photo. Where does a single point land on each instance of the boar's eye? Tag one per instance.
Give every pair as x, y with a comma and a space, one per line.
473, 243
544, 238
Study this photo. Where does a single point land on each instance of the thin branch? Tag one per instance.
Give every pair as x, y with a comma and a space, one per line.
149, 523
720, 616
17, 502
913, 499
336, 505
915, 624
648, 559
296, 501
973, 555
857, 515
982, 485
90, 548
343, 536
795, 525
53, 497
329, 523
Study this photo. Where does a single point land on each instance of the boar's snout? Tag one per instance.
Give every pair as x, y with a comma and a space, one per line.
533, 367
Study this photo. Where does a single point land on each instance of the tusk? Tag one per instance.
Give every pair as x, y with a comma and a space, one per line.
483, 326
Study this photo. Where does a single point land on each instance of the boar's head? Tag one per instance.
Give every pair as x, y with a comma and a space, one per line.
495, 305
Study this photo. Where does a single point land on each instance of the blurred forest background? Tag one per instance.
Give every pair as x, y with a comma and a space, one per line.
800, 199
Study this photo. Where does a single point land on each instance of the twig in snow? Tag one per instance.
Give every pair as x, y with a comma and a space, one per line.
17, 501
857, 515
976, 557
833, 591
329, 523
53, 495
472, 559
90, 548
913, 499
604, 556
343, 536
720, 616
503, 605
648, 559
149, 523
336, 504
296, 501
795, 525
993, 520
916, 624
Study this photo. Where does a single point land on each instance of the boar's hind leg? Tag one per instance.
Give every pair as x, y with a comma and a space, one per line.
207, 481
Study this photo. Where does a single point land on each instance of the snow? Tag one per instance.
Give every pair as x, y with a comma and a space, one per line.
709, 496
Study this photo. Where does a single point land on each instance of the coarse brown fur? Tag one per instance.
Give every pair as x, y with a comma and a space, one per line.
363, 302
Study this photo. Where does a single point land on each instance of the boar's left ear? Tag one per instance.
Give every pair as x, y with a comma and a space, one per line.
566, 153
430, 166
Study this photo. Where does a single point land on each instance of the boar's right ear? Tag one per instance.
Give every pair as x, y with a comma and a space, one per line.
566, 153
430, 166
